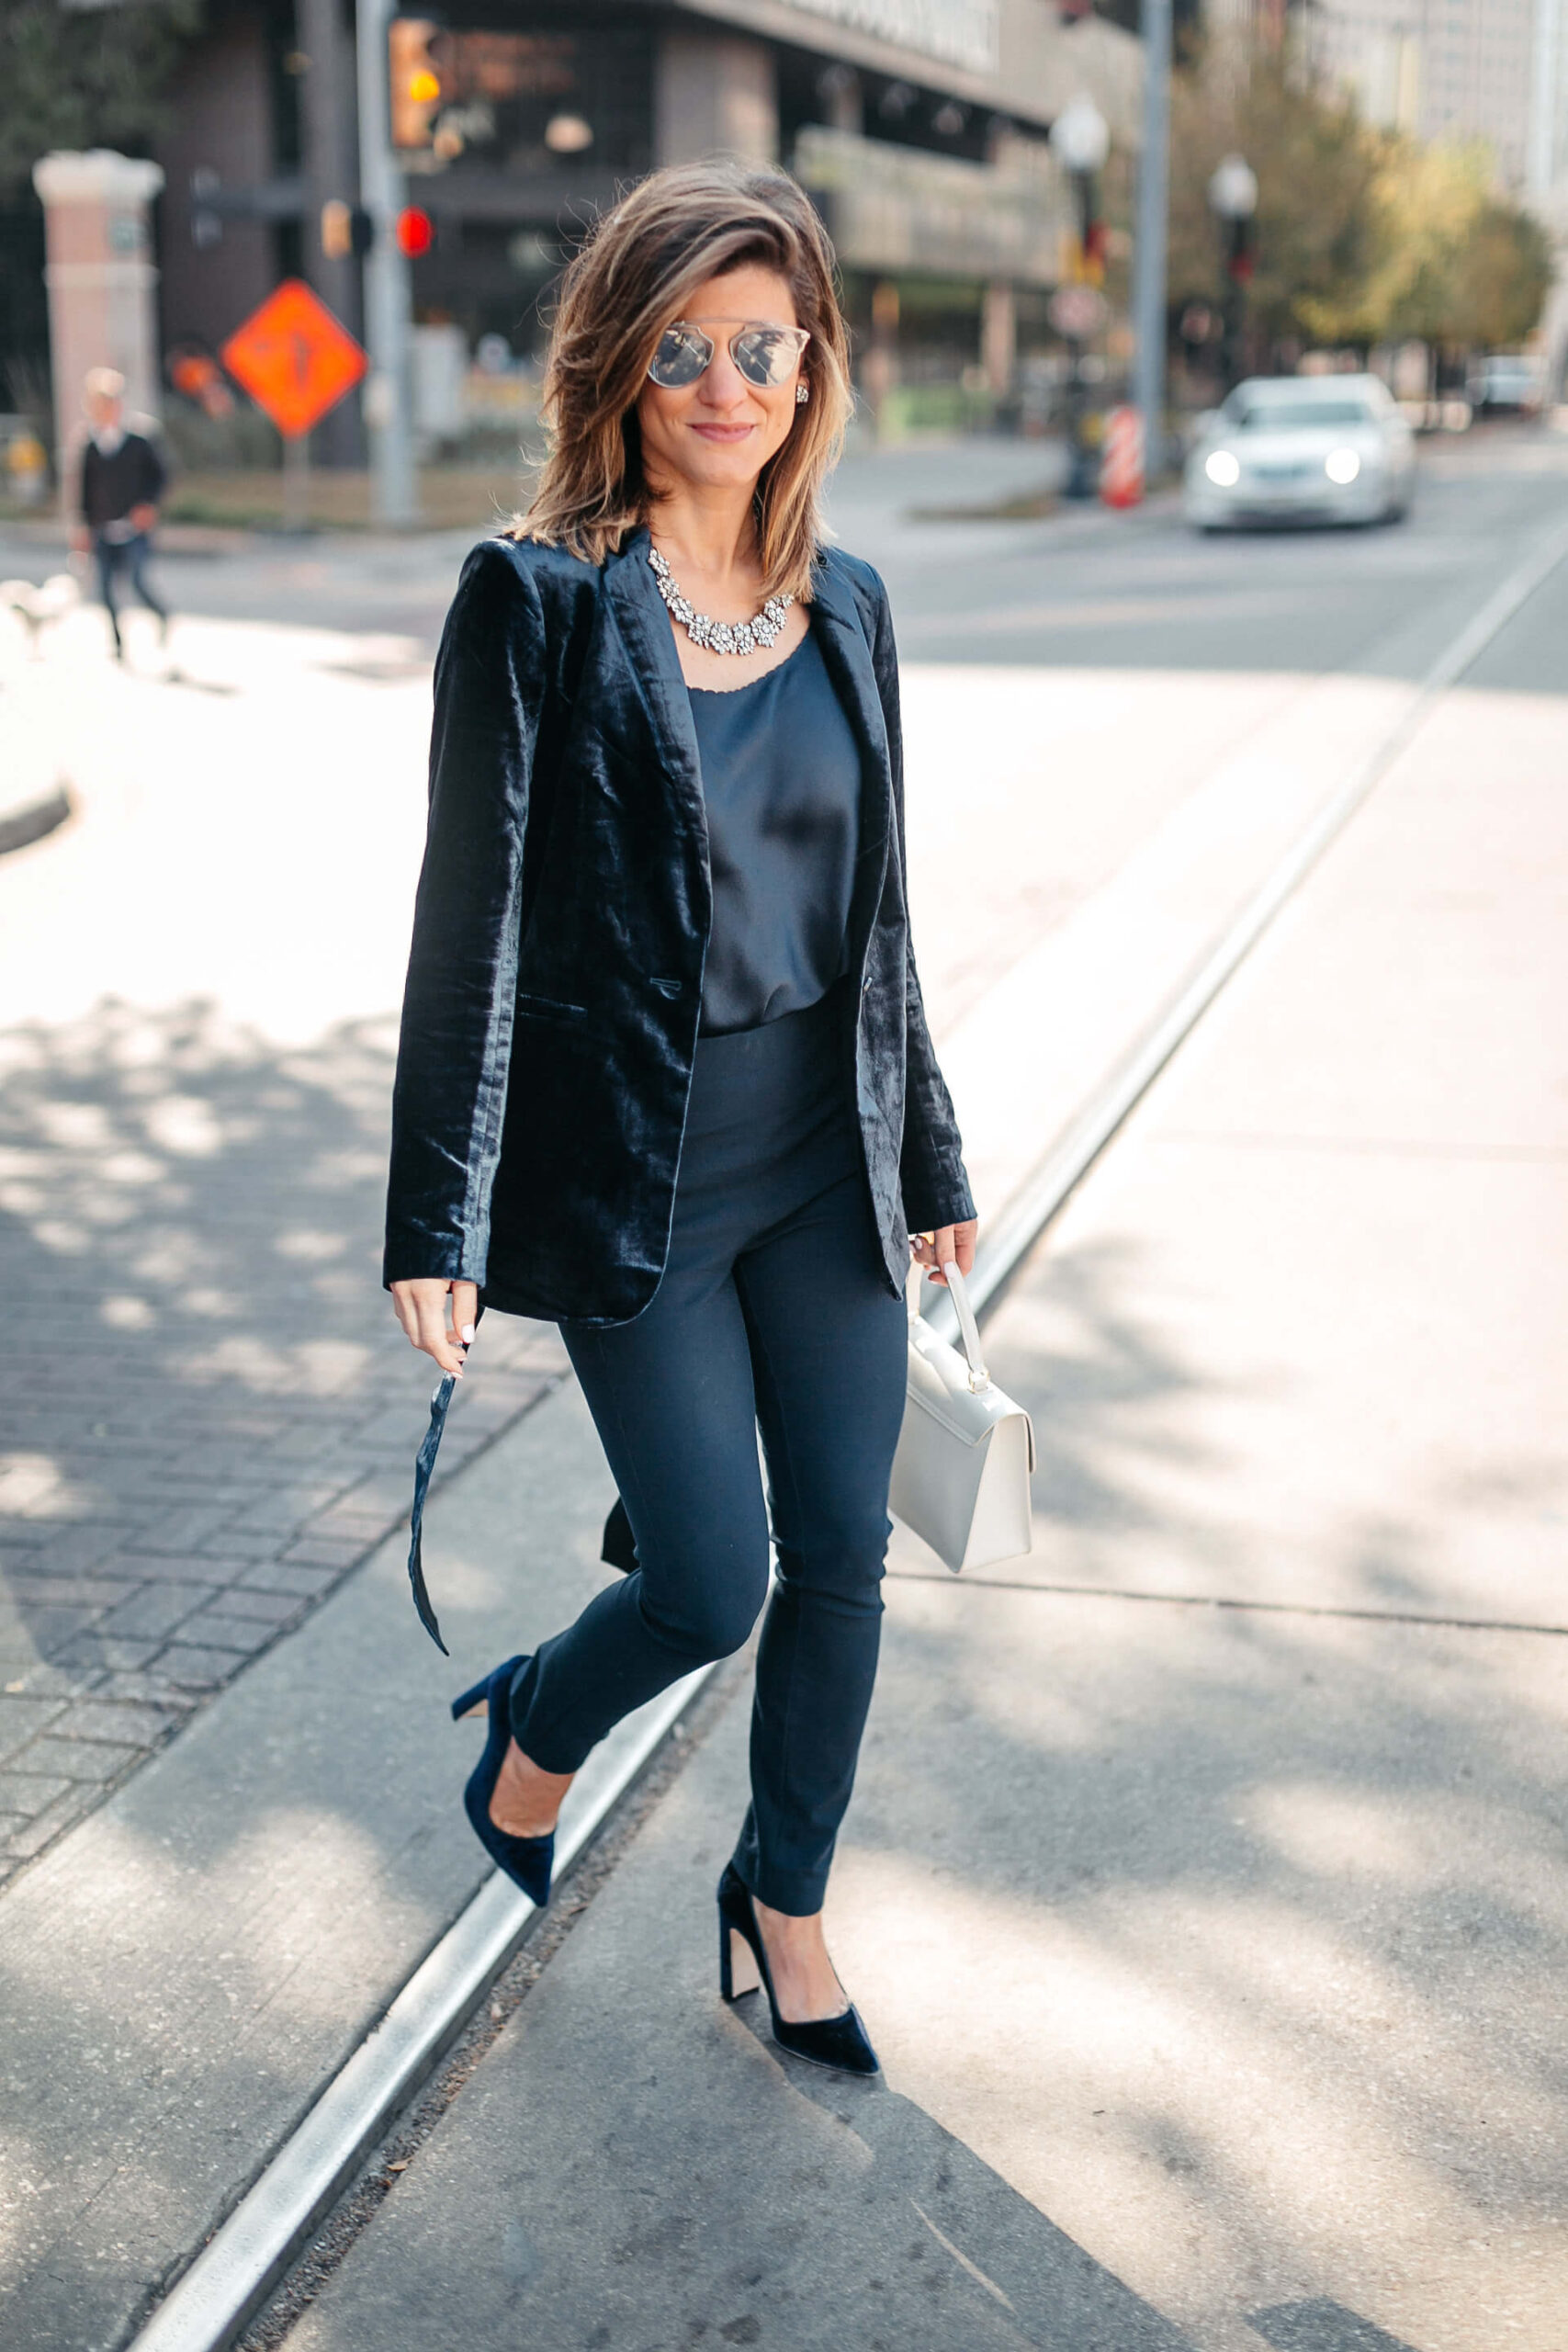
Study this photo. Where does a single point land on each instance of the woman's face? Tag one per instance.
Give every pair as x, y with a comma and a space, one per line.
721, 431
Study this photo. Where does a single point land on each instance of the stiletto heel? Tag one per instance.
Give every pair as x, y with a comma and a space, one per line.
473, 1703
841, 2042
738, 1971
527, 1861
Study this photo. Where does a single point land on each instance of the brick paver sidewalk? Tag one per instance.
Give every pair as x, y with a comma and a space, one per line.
209, 1413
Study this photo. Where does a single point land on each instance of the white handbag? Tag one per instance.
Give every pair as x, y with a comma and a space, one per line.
965, 1452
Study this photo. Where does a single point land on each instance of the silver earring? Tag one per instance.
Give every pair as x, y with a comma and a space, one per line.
801, 394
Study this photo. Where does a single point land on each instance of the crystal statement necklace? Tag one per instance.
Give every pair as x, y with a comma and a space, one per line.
719, 637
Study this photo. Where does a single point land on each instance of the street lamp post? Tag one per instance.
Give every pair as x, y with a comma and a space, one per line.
1233, 200
1081, 138
1153, 237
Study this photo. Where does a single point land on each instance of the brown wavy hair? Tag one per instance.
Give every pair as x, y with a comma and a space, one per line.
632, 275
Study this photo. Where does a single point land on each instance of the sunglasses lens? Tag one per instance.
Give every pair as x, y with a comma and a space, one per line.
681, 356
766, 355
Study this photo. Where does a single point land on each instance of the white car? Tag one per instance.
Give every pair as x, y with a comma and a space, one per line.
1302, 448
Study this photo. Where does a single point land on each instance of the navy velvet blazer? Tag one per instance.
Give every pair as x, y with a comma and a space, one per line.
555, 983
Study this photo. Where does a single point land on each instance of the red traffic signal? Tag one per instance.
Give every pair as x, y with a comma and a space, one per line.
414, 231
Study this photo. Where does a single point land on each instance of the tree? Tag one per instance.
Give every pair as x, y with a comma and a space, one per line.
1502, 278
1457, 265
76, 77
1362, 236
1317, 171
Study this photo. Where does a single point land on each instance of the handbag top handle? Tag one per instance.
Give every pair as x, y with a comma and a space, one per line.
969, 1332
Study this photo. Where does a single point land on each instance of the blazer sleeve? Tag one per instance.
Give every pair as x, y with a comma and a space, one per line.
932, 1178
450, 1096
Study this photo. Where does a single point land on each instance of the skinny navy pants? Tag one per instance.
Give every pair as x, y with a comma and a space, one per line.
774, 1314
128, 555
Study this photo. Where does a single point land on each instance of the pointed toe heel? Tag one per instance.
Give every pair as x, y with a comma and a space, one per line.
841, 2042
527, 1861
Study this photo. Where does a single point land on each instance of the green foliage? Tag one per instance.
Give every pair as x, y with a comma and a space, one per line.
1317, 176
76, 77
1457, 265
1362, 236
1503, 278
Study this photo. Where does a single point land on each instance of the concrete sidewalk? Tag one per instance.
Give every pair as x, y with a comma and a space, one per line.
1211, 1918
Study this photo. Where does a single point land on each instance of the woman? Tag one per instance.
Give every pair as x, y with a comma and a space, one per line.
665, 1077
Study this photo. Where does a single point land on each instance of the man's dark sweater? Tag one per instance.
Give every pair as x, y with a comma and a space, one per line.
111, 486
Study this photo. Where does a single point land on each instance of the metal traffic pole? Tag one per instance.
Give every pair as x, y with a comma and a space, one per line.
1149, 252
387, 395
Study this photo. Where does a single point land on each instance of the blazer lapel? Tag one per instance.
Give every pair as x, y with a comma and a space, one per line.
848, 657
649, 642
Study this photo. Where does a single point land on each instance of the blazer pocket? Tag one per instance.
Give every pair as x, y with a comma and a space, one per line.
550, 1008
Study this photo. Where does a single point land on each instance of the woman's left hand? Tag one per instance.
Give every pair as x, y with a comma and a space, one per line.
951, 1244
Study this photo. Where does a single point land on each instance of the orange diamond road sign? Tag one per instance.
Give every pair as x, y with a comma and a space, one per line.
294, 358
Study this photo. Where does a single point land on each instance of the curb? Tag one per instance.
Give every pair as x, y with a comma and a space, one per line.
34, 819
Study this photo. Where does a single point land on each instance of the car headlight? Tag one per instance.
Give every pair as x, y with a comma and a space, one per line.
1222, 469
1342, 466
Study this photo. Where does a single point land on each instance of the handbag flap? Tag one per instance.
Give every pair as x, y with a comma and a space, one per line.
939, 1385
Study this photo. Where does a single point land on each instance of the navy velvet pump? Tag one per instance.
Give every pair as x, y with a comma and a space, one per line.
526, 1861
841, 2043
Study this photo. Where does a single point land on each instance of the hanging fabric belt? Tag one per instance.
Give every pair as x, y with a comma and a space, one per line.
424, 1465
619, 1548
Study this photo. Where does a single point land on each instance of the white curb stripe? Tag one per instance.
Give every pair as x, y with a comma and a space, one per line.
241, 2265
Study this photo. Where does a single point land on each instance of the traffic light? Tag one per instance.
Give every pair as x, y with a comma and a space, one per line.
1241, 258
413, 83
347, 231
414, 231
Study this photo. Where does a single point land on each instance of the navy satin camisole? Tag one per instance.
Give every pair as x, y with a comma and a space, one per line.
781, 780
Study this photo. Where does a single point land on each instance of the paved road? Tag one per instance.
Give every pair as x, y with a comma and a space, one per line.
190, 1207
1075, 588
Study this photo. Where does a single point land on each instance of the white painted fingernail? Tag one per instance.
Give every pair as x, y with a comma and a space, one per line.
466, 1335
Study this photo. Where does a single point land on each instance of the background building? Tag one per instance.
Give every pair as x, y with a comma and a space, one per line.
1442, 69
921, 126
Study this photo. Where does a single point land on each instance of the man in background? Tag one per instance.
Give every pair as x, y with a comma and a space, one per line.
122, 480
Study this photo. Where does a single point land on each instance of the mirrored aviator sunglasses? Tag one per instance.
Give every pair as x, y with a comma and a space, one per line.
766, 355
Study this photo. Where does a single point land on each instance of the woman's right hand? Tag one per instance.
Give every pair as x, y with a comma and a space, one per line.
420, 1309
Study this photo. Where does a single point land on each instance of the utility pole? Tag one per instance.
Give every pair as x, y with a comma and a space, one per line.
387, 395
1149, 252
327, 104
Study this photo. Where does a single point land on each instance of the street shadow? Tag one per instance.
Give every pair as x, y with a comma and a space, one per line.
942, 2205
190, 1223
1322, 2326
